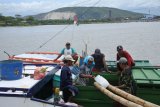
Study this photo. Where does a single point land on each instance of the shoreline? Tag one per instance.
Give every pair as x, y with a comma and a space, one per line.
79, 23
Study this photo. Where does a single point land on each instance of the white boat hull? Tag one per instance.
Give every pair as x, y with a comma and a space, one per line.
21, 102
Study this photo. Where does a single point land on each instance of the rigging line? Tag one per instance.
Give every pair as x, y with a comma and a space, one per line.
81, 2
60, 30
78, 4
64, 27
83, 14
90, 8
72, 33
6, 53
53, 37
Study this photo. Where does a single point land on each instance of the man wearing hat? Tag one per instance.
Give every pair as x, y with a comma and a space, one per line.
123, 53
66, 84
68, 51
125, 81
100, 63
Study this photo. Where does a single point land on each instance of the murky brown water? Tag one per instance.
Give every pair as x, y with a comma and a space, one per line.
141, 39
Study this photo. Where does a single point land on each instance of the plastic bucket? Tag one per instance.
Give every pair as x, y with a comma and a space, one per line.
11, 69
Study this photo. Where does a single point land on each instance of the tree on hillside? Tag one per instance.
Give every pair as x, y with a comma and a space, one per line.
18, 16
9, 20
2, 18
30, 19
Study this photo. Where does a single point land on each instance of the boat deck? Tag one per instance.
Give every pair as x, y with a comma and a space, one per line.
22, 85
24, 82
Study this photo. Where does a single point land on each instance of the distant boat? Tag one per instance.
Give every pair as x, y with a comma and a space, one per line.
76, 20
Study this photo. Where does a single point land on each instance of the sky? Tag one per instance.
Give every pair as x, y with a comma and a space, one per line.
32, 7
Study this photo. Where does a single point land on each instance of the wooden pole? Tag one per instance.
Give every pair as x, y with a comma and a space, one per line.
116, 97
131, 97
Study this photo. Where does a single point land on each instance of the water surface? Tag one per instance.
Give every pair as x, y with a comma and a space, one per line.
140, 39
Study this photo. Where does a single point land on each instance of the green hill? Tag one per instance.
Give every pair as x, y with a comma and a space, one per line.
90, 13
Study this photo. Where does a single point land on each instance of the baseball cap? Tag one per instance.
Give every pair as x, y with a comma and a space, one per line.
122, 60
68, 58
119, 48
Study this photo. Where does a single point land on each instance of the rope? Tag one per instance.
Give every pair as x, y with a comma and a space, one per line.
72, 33
81, 2
43, 44
6, 53
53, 37
89, 8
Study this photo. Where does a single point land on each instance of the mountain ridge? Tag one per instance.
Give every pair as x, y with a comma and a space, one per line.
87, 13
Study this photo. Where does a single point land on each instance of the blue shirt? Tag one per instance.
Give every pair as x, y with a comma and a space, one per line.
66, 77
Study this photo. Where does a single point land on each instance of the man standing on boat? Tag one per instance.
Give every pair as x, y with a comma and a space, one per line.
86, 71
125, 81
66, 84
123, 53
100, 63
68, 51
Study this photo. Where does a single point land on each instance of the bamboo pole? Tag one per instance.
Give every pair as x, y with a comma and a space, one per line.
116, 97
131, 97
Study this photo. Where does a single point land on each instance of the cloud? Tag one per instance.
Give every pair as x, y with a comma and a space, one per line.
142, 6
29, 7
129, 3
26, 8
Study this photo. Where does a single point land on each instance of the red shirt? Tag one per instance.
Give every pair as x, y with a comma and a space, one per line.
127, 56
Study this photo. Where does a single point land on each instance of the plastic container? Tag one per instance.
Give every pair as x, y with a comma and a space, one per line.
11, 69
102, 81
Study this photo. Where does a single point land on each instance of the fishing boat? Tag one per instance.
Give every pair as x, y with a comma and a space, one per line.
146, 82
27, 92
19, 89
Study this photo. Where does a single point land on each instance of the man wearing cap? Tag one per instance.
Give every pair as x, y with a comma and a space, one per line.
86, 71
68, 51
66, 84
125, 81
100, 63
123, 53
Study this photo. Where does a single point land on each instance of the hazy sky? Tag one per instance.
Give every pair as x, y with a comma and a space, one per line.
31, 7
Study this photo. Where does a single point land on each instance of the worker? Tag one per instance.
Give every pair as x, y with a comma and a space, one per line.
123, 53
66, 84
68, 51
125, 81
86, 71
100, 63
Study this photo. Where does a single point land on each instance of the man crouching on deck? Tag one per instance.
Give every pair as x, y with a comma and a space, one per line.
66, 84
